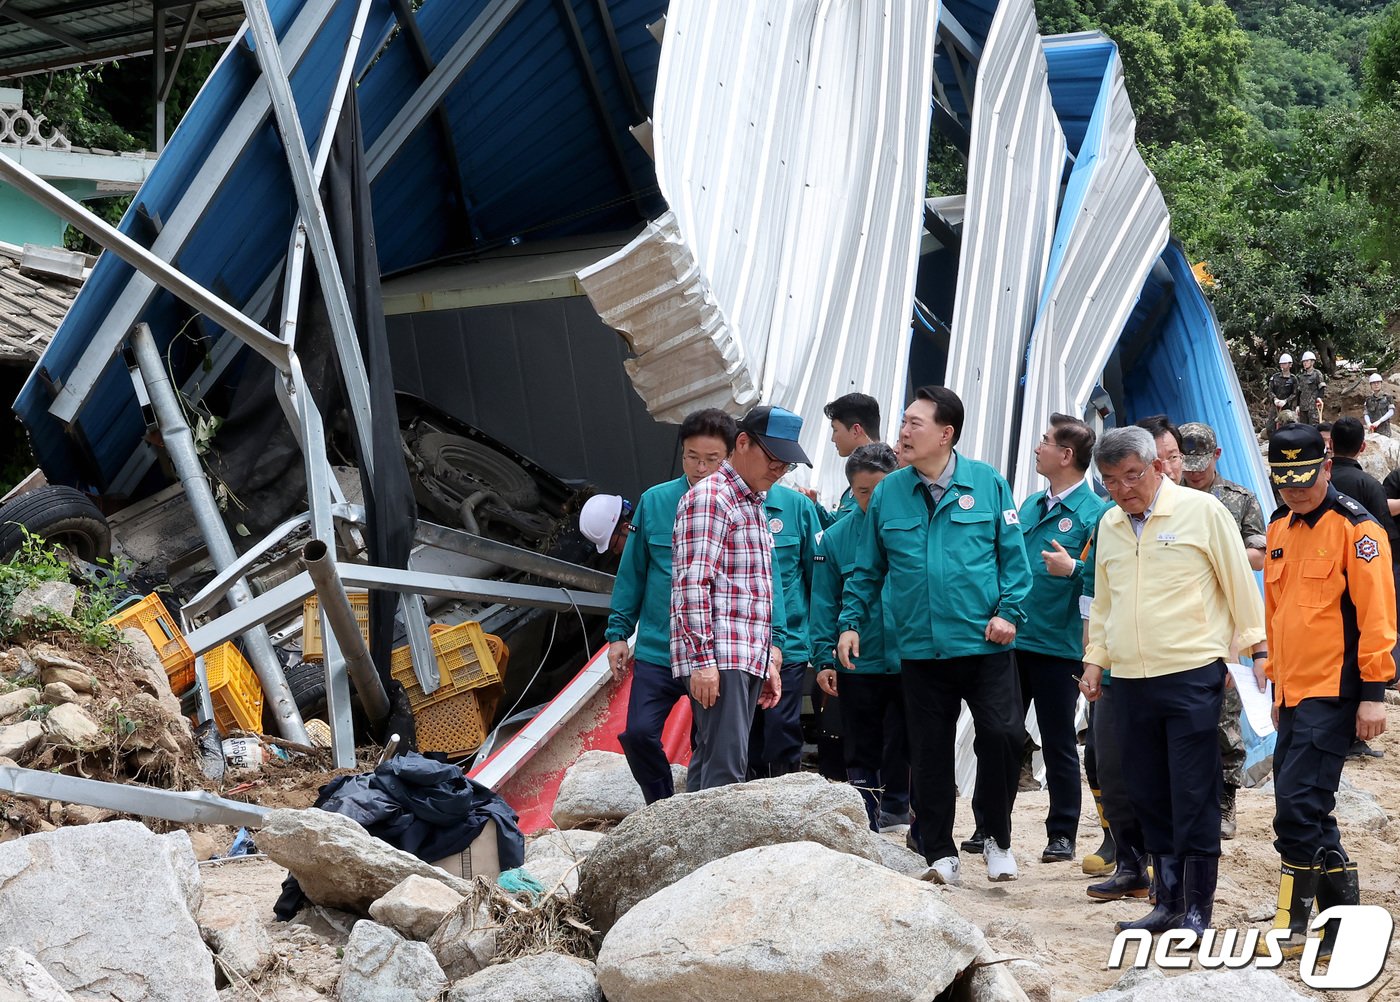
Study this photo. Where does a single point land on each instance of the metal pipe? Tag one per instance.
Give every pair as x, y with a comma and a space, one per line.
198, 807
187, 291
179, 444
340, 618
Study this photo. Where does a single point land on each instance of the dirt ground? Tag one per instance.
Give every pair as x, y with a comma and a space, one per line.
1045, 916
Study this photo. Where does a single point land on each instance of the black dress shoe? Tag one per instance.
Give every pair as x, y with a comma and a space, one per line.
1058, 850
1360, 749
975, 844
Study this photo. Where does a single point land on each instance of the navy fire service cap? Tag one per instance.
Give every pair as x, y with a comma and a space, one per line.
1296, 454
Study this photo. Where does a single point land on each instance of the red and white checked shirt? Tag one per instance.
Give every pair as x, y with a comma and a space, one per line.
721, 578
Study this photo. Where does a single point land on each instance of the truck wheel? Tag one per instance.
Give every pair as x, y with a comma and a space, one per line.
307, 680
62, 516
468, 465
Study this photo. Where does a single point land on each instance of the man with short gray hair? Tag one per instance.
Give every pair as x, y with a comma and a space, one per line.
1172, 589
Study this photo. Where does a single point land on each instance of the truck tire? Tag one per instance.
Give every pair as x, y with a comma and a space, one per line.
482, 465
62, 516
307, 680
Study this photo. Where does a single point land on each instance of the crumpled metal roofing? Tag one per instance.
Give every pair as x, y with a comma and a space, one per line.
1112, 227
1014, 169
790, 143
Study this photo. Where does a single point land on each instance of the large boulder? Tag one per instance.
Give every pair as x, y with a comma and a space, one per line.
416, 907
17, 701
70, 725
338, 863
45, 598
466, 941
781, 922
659, 845
564, 843
16, 739
108, 910
23, 979
545, 977
382, 966
1247, 984
1359, 808
599, 788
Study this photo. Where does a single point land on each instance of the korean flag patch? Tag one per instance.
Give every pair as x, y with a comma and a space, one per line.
1011, 517
1367, 549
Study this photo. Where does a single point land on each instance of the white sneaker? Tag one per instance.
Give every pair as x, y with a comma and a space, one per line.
1001, 865
947, 870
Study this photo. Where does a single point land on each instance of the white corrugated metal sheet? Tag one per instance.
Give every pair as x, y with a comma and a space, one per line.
1114, 225
791, 142
1014, 168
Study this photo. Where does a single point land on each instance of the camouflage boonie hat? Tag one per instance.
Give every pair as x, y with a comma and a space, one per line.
1296, 454
1197, 446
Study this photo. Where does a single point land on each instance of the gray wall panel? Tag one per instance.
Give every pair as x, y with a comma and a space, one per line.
545, 378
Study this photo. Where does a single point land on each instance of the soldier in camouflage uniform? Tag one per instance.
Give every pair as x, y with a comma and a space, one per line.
1199, 453
1380, 407
1283, 391
1312, 384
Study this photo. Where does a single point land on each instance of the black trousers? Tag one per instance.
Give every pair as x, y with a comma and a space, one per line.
775, 742
1049, 683
1091, 750
654, 694
1313, 738
933, 695
1166, 729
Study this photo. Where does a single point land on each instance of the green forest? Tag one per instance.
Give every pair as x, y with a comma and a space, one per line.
1273, 127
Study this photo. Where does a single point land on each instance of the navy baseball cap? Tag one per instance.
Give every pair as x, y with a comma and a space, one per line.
777, 430
1296, 454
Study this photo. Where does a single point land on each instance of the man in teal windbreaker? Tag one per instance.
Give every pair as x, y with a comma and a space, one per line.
775, 741
870, 693
946, 532
641, 601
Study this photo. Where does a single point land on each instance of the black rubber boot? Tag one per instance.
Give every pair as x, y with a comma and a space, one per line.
1297, 886
1197, 898
1129, 879
1166, 914
1338, 884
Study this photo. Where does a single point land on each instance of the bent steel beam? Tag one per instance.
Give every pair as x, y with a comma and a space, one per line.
335, 610
187, 290
196, 807
179, 443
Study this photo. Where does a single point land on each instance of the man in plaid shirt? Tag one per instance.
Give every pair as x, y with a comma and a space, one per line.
722, 596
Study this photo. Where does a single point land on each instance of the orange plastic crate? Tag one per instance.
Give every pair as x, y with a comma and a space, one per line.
465, 661
234, 690
455, 726
152, 618
312, 647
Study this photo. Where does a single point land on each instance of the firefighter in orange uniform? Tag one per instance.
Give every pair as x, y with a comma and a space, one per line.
1329, 599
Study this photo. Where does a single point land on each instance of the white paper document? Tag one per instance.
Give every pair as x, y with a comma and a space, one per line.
1258, 706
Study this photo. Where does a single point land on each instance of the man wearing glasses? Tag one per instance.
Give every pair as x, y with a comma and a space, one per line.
1172, 589
641, 602
723, 596
946, 533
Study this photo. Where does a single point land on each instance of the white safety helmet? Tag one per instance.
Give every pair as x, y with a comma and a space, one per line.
1309, 357
1285, 359
598, 519
1375, 377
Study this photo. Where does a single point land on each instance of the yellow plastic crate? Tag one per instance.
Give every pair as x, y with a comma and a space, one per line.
465, 661
152, 618
455, 726
312, 647
234, 690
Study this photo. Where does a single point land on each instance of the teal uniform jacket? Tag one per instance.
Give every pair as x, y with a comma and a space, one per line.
1054, 626
794, 520
835, 562
950, 571
847, 505
641, 598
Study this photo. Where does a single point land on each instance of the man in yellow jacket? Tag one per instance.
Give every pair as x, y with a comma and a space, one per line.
1172, 588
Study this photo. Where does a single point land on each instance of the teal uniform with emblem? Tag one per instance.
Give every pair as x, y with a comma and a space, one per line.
641, 597
794, 520
950, 570
1056, 628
